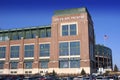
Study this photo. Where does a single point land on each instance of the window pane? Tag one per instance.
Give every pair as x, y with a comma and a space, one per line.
74, 63
63, 49
14, 36
48, 34
73, 29
42, 33
29, 51
28, 35
74, 48
64, 30
2, 52
14, 65
64, 64
28, 65
34, 33
1, 64
6, 36
44, 50
14, 52
1, 37
20, 34
44, 64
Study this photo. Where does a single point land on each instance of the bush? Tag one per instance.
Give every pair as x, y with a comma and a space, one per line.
83, 72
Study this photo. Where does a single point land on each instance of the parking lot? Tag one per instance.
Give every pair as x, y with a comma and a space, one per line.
21, 77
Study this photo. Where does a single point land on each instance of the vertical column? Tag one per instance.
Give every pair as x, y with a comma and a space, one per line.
111, 63
107, 60
7, 58
54, 47
21, 57
103, 60
36, 55
35, 64
98, 60
85, 59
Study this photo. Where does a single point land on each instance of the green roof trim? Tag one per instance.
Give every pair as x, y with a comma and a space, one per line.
70, 11
27, 28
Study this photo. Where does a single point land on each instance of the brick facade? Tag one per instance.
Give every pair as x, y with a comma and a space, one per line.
82, 20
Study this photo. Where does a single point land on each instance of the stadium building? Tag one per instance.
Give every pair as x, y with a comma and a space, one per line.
65, 46
103, 56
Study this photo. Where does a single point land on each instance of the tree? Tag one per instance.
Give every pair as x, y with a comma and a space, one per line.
83, 72
54, 73
116, 68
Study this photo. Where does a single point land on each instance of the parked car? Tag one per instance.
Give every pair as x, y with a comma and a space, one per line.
99, 78
112, 77
67, 78
79, 78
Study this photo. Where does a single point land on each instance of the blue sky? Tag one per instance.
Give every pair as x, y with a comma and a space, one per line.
27, 13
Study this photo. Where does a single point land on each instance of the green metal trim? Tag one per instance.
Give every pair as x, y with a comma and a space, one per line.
20, 29
70, 11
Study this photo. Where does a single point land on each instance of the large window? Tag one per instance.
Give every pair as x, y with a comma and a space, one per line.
48, 33
43, 64
1, 64
20, 34
4, 37
69, 48
29, 51
69, 63
28, 64
44, 50
34, 33
45, 32
13, 65
2, 52
14, 51
14, 36
42, 33
69, 29
28, 34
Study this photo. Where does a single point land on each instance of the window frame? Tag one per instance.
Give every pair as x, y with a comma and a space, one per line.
48, 49
69, 42
43, 61
63, 61
2, 63
28, 62
16, 64
15, 51
61, 33
1, 52
32, 55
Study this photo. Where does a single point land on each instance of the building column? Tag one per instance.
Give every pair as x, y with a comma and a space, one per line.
107, 61
21, 57
54, 47
103, 61
7, 58
35, 64
98, 61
